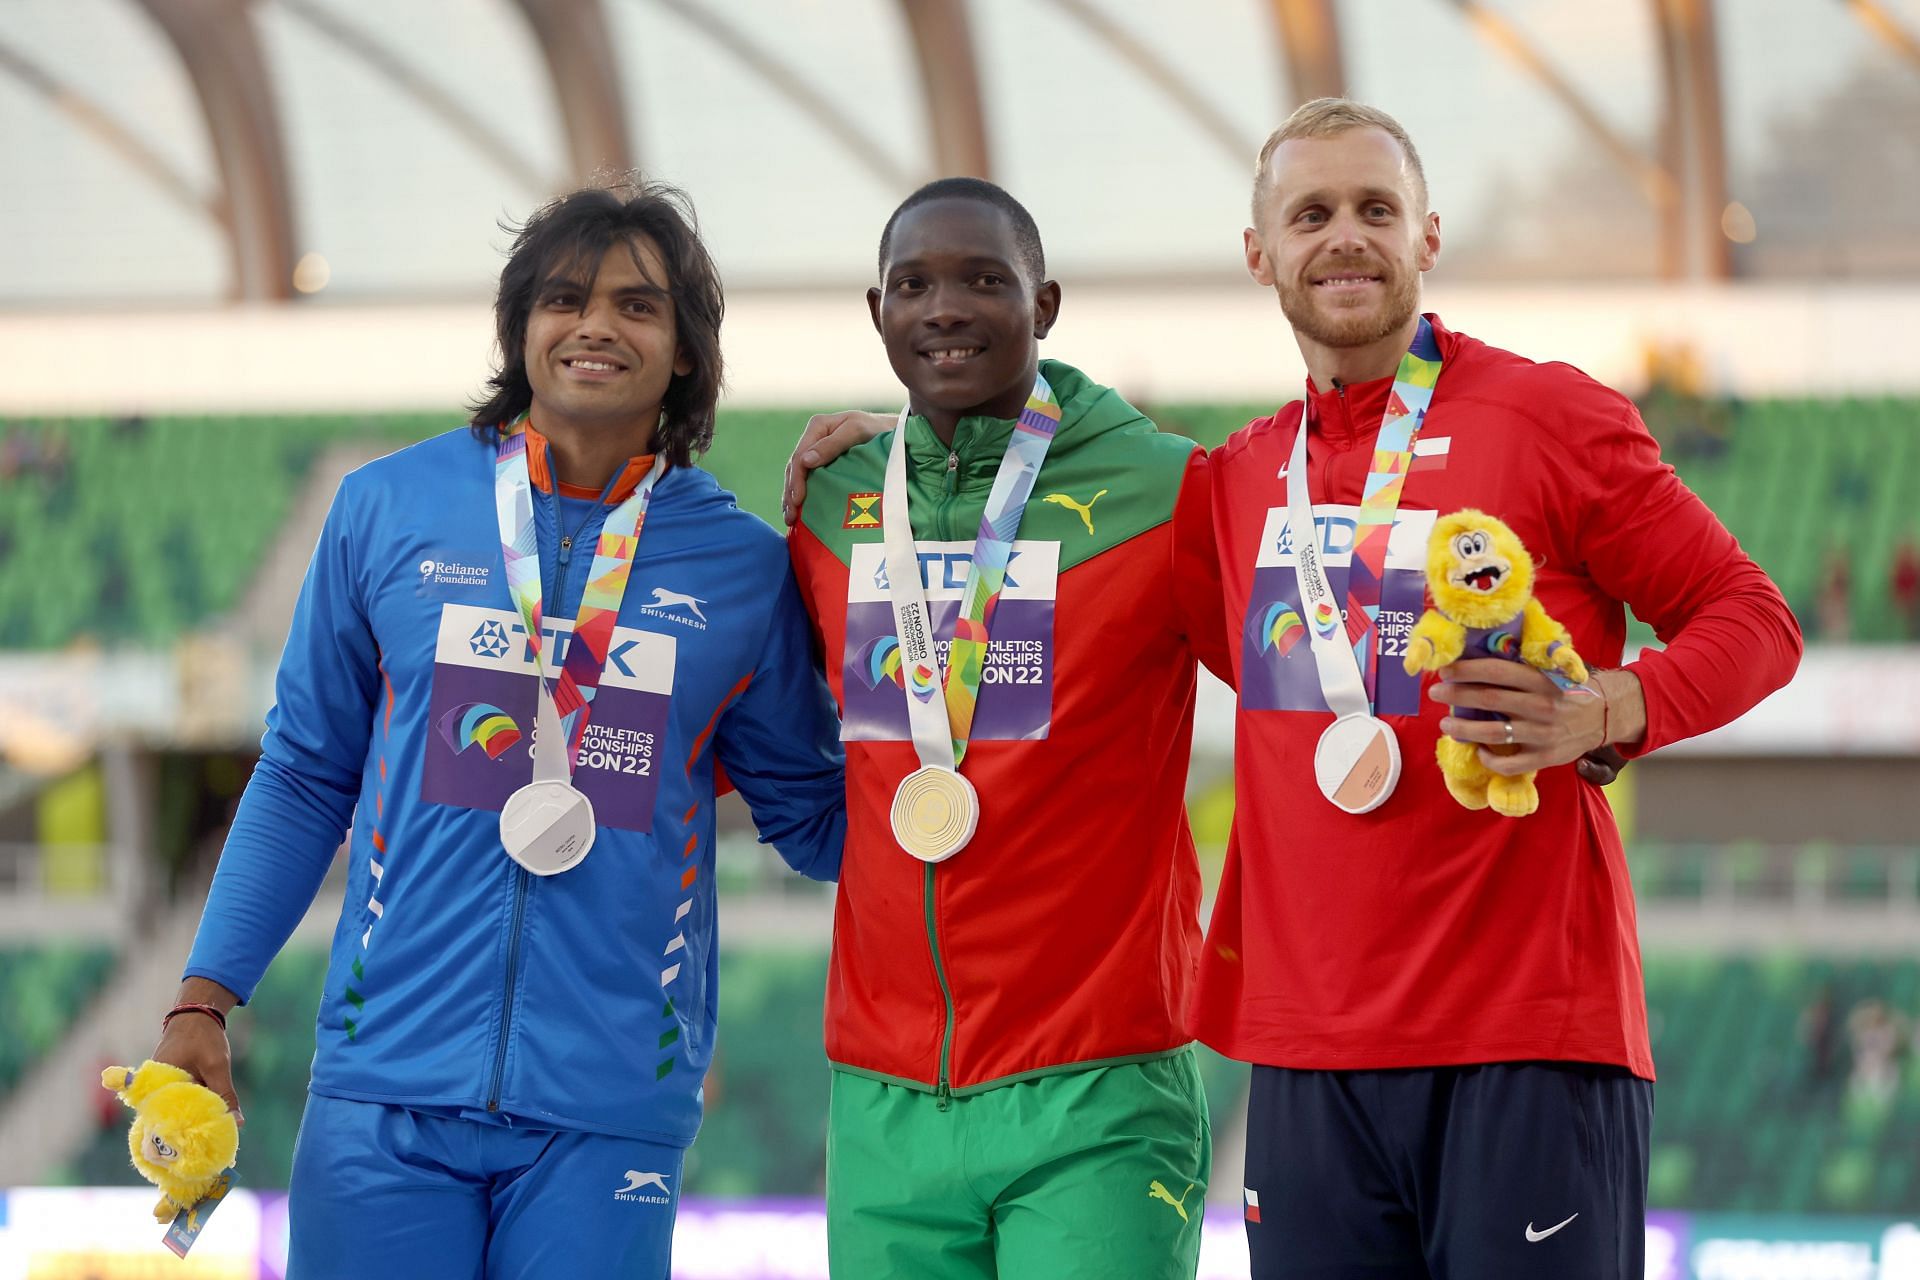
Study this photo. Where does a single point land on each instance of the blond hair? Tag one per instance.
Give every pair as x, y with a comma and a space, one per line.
1327, 118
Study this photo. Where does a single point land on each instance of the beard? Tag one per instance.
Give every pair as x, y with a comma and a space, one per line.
1352, 326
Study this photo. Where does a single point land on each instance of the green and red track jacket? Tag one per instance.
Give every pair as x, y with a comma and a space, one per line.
1065, 935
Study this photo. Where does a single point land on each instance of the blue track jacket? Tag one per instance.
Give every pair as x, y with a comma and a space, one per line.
404, 705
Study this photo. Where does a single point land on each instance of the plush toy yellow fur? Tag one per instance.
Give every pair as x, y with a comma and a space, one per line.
1481, 580
183, 1137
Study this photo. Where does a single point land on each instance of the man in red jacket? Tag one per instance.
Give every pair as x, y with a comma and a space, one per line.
1443, 1006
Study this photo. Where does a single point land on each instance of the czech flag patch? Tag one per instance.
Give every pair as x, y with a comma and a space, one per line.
1253, 1204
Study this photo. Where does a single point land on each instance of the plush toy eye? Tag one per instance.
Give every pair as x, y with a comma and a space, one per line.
1463, 546
162, 1153
1479, 544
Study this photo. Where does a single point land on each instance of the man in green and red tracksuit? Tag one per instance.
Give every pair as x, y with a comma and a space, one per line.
1013, 1093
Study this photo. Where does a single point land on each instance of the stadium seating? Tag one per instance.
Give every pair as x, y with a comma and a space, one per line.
1749, 1115
41, 988
133, 530
1803, 482
154, 526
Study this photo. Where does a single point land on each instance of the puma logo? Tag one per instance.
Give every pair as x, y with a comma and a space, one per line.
1085, 511
1156, 1190
637, 1181
665, 599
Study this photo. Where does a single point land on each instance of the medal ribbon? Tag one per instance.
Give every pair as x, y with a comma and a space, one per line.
939, 739
567, 699
1407, 404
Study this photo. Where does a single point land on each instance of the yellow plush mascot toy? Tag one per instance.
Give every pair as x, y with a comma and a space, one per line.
1481, 580
183, 1137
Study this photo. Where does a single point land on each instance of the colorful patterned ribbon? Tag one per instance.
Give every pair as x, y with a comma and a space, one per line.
579, 679
992, 548
986, 576
1413, 384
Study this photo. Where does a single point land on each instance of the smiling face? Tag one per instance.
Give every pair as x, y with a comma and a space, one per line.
960, 322
1478, 566
1343, 237
1477, 569
600, 355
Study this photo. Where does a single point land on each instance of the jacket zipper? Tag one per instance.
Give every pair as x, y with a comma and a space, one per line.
944, 512
520, 882
944, 1086
513, 973
944, 1089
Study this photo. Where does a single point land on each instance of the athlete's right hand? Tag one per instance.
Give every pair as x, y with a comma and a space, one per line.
1600, 766
828, 435
198, 1045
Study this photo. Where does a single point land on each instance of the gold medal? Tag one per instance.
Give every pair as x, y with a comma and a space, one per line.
935, 812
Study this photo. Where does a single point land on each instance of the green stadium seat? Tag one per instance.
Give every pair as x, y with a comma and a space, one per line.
41, 989
215, 490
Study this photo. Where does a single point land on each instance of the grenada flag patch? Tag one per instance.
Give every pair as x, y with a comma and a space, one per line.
863, 511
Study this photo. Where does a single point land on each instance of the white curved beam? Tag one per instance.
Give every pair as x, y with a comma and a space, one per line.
217, 44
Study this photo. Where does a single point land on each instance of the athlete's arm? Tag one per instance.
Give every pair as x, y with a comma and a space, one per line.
197, 1043
298, 803
1198, 599
828, 435
779, 742
1649, 542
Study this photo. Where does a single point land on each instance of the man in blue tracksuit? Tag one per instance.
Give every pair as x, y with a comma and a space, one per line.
509, 1058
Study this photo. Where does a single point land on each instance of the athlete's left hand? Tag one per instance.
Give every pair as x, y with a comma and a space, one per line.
1551, 726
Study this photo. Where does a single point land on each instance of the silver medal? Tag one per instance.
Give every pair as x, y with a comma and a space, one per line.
547, 827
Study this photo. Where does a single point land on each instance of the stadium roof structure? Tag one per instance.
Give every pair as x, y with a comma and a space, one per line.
260, 122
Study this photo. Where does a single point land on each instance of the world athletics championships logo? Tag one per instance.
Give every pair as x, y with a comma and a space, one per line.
922, 681
1275, 628
1325, 617
489, 640
479, 724
878, 661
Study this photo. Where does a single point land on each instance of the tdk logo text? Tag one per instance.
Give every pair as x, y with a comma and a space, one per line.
945, 569
554, 646
1337, 536
1337, 533
496, 640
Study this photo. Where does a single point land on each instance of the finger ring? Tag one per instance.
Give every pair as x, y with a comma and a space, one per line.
1509, 733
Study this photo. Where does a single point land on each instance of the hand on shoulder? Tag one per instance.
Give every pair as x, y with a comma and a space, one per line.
828, 435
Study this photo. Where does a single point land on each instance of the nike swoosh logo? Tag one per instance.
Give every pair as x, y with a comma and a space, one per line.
1535, 1237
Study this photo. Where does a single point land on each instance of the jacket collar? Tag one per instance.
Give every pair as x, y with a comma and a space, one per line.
1350, 415
540, 471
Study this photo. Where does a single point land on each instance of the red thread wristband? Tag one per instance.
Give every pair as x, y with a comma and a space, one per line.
210, 1010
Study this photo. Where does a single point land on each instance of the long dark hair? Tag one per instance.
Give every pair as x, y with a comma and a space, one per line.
579, 228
